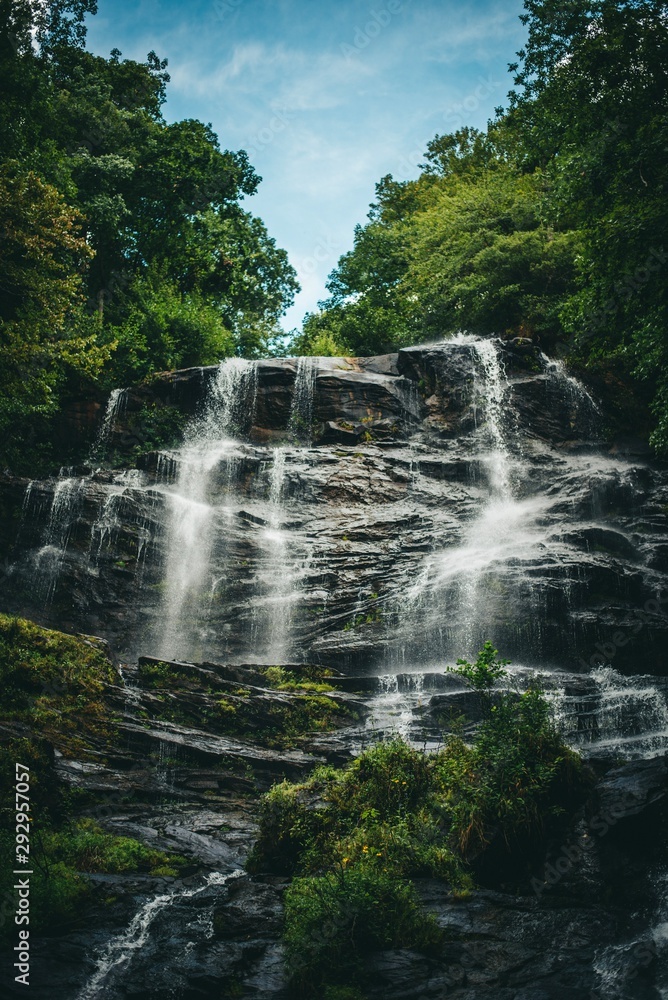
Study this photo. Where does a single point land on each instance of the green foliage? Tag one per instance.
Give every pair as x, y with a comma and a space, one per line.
333, 921
163, 328
53, 680
62, 857
44, 337
288, 680
154, 426
485, 672
354, 837
85, 847
551, 224
319, 338
482, 257
125, 248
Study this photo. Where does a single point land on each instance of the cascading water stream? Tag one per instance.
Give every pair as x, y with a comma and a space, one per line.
192, 517
116, 407
120, 950
613, 714
277, 570
486, 575
284, 567
455, 582
48, 559
300, 423
198, 522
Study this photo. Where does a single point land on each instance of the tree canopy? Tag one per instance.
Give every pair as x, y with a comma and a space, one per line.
552, 223
125, 247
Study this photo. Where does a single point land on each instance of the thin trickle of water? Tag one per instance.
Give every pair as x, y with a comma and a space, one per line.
166, 468
300, 423
105, 527
48, 560
116, 406
121, 949
276, 478
276, 571
492, 390
585, 412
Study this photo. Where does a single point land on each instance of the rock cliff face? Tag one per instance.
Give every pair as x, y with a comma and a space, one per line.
368, 514
589, 924
374, 519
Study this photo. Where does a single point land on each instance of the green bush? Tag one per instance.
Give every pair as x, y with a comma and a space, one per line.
333, 921
355, 836
54, 682
85, 847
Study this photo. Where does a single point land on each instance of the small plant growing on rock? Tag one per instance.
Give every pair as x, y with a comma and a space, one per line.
484, 673
355, 838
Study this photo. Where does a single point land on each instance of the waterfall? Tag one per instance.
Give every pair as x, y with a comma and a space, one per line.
612, 713
192, 517
277, 571
456, 582
399, 695
584, 412
495, 518
492, 396
116, 406
300, 423
121, 949
48, 560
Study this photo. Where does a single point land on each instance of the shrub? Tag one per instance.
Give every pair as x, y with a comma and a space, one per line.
334, 920
354, 837
53, 681
86, 847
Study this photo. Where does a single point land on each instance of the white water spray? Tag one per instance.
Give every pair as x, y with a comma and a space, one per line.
121, 949
192, 522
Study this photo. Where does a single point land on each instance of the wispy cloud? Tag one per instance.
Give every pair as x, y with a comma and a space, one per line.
325, 104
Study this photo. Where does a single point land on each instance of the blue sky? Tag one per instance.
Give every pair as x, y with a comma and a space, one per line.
326, 98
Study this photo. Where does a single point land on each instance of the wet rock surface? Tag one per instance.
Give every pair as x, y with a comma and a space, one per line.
585, 925
374, 519
363, 509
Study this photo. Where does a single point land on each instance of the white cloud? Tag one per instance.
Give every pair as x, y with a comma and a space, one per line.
323, 123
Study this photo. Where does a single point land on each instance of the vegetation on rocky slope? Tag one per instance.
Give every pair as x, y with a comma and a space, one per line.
53, 687
303, 704
355, 838
54, 682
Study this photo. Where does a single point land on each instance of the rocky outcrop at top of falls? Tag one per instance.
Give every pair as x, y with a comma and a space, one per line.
373, 513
